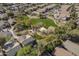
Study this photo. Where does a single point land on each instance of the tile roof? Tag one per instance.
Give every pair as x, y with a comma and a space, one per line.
62, 52
72, 47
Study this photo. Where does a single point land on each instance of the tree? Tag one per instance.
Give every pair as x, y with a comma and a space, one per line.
42, 16
38, 37
57, 42
49, 47
23, 22
64, 30
2, 42
50, 38
59, 31
10, 14
70, 25
34, 52
40, 47
27, 51
24, 51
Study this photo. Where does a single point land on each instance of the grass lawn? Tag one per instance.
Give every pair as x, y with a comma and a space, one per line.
22, 17
46, 22
34, 21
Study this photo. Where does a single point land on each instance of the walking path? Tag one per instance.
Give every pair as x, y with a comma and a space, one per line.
14, 35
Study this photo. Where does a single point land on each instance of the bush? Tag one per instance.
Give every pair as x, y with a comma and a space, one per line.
2, 41
34, 52
11, 14
24, 51
50, 47
27, 51
38, 37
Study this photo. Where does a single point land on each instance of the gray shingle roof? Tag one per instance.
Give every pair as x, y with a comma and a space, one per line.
72, 47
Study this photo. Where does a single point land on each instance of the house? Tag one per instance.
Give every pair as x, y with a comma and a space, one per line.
26, 39
72, 47
62, 52
3, 15
56, 13
2, 10
77, 9
1, 54
43, 30
5, 34
11, 21
31, 32
77, 22
4, 24
1, 24
51, 29
62, 13
12, 46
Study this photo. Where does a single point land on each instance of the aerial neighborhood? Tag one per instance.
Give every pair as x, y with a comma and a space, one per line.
39, 29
